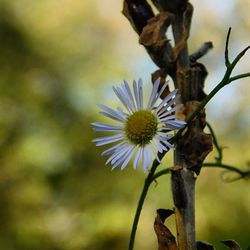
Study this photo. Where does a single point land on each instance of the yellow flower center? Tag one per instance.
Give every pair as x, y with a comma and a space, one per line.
141, 127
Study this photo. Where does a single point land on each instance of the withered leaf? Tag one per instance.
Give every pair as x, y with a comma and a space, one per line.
166, 240
202, 245
232, 244
174, 6
138, 13
154, 33
195, 145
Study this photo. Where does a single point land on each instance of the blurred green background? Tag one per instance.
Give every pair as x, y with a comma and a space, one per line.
58, 59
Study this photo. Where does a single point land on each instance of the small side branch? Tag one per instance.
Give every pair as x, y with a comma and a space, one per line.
227, 62
241, 174
216, 144
203, 50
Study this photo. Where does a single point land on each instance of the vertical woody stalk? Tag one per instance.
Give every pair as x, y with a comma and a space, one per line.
194, 145
182, 178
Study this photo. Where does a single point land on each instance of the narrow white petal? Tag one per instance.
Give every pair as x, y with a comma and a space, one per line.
105, 127
112, 149
165, 140
154, 152
122, 113
119, 151
122, 98
176, 123
171, 102
125, 94
165, 135
163, 88
108, 139
121, 154
165, 112
168, 144
111, 116
146, 158
137, 157
111, 112
167, 118
159, 145
166, 99
159, 94
140, 91
127, 88
153, 95
121, 158
136, 94
130, 154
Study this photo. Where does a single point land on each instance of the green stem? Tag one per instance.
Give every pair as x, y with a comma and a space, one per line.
242, 174
234, 78
143, 195
227, 167
216, 144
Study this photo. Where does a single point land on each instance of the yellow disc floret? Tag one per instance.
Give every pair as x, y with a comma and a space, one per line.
141, 127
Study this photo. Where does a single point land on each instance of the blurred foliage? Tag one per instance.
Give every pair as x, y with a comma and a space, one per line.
58, 58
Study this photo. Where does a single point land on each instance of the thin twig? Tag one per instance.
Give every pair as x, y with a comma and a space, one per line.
227, 62
242, 174
234, 78
216, 144
203, 50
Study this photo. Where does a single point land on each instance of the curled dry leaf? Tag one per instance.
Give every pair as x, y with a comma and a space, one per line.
203, 245
138, 13
153, 33
174, 6
166, 240
195, 145
232, 244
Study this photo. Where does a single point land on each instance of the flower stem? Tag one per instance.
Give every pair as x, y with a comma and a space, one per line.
143, 195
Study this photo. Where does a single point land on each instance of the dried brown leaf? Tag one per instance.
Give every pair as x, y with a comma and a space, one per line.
195, 145
138, 13
232, 244
174, 6
166, 240
154, 33
202, 245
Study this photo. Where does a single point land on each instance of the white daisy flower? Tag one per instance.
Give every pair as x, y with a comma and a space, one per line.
142, 130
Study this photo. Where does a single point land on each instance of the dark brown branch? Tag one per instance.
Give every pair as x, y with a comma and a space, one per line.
203, 50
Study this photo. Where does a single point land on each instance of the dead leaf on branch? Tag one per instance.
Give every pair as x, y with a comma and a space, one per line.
166, 240
162, 74
154, 33
202, 245
232, 244
138, 13
195, 145
173, 6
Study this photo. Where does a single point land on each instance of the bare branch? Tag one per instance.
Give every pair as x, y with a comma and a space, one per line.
203, 50
227, 62
216, 144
